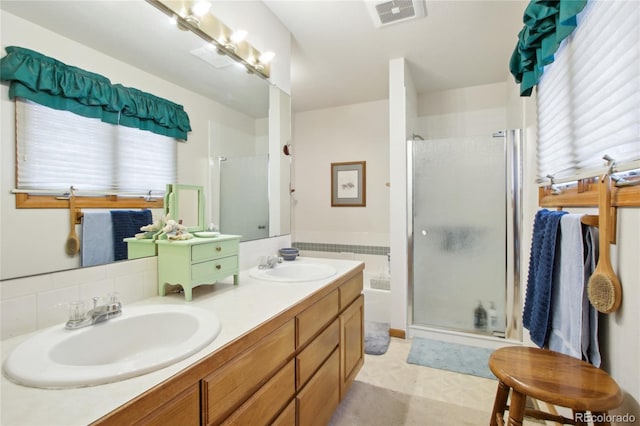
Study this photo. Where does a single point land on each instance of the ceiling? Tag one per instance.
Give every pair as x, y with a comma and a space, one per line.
338, 56
138, 34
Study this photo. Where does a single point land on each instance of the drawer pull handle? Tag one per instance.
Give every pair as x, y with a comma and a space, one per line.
218, 267
218, 248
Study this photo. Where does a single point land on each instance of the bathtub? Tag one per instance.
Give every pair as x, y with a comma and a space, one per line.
377, 303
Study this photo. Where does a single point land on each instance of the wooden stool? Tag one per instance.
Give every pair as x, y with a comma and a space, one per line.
551, 377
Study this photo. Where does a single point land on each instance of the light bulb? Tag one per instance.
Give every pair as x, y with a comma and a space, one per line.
201, 8
266, 57
237, 36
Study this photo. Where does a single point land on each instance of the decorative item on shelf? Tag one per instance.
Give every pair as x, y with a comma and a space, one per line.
210, 232
289, 253
175, 231
150, 231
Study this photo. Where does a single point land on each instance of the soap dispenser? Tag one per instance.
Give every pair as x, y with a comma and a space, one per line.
480, 317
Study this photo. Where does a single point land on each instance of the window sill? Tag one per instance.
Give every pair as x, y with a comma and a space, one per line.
28, 201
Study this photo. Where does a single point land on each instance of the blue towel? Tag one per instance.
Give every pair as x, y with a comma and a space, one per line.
97, 238
535, 316
590, 345
127, 223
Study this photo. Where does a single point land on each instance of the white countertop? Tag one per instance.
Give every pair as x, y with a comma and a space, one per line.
239, 308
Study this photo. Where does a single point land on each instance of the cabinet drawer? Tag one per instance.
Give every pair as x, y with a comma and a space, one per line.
214, 269
231, 385
350, 290
268, 401
320, 397
287, 417
183, 409
308, 361
213, 250
314, 318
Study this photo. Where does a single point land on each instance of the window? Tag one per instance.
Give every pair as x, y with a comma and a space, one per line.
589, 97
58, 149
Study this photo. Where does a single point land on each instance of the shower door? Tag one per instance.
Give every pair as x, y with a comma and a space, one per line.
244, 202
459, 233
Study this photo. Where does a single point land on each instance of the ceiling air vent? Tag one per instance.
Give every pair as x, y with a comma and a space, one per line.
212, 57
386, 13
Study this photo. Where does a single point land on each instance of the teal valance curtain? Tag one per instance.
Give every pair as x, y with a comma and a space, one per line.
546, 24
54, 84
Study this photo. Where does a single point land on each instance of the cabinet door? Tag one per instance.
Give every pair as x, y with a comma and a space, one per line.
264, 405
312, 357
351, 343
313, 319
320, 397
184, 410
228, 387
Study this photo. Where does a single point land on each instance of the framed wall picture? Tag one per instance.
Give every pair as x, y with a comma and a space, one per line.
349, 184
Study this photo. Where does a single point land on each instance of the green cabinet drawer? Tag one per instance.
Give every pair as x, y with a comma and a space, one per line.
213, 270
214, 250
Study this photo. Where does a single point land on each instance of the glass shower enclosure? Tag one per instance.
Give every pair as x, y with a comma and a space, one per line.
464, 214
244, 200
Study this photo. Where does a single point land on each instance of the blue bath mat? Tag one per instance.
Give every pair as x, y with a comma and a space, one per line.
451, 356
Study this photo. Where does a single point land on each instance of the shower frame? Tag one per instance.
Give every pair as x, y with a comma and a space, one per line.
513, 223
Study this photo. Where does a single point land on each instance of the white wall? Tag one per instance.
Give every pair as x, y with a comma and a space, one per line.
403, 112
357, 132
470, 111
27, 304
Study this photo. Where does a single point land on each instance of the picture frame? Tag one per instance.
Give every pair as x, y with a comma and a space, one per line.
349, 184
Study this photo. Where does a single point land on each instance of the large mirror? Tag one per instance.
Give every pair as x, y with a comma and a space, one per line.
223, 101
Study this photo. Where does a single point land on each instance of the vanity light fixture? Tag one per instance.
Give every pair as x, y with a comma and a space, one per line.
201, 8
194, 16
235, 39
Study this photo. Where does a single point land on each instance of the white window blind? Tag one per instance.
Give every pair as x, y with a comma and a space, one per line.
58, 149
589, 97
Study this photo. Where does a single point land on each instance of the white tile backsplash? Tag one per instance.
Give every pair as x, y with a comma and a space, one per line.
18, 315
32, 303
53, 305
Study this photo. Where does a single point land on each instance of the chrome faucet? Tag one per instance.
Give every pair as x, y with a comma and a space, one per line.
268, 262
78, 318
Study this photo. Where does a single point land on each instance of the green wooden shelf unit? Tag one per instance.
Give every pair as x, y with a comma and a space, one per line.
198, 261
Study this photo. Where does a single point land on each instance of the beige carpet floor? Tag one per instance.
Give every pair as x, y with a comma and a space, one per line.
371, 405
388, 391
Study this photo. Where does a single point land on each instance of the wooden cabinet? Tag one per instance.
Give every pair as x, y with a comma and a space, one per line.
197, 261
265, 404
183, 409
137, 249
320, 397
293, 369
351, 343
238, 379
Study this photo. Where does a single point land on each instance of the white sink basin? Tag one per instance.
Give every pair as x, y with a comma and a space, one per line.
143, 339
294, 271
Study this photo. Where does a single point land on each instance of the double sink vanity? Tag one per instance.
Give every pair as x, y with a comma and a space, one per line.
284, 351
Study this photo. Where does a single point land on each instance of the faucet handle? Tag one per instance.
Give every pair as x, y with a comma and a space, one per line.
95, 301
114, 297
76, 310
